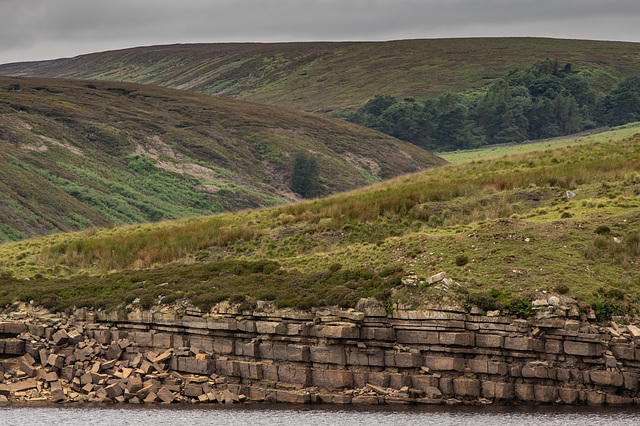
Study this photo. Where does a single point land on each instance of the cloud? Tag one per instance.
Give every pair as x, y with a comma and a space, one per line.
41, 29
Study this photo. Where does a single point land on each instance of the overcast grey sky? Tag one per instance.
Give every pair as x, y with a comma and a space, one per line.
49, 29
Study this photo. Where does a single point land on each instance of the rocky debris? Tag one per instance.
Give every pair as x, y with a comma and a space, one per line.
68, 366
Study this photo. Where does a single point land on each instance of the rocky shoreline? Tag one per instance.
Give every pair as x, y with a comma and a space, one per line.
328, 356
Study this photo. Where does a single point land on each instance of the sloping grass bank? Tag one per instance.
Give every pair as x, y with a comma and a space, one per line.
504, 229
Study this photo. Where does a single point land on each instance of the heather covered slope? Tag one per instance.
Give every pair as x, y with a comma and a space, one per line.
76, 154
329, 76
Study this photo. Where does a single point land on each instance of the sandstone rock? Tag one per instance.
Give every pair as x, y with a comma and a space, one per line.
635, 331
60, 338
466, 387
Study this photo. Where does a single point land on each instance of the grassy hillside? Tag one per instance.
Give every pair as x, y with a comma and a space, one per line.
328, 76
77, 154
503, 229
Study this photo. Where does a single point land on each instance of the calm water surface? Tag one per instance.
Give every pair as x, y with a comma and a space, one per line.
298, 416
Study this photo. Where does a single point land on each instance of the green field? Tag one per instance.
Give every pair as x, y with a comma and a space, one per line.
621, 132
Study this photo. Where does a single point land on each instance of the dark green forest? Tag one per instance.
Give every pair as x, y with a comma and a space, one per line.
542, 101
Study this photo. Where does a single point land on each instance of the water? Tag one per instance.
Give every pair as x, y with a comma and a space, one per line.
299, 416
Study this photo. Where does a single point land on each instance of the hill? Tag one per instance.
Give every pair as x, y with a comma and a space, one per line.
77, 154
505, 231
329, 76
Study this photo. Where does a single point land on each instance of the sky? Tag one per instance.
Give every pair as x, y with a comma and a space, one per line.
32, 30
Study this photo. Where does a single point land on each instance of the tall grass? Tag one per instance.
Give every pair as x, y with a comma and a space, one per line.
145, 247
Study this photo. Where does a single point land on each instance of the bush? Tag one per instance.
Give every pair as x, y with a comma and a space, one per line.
462, 260
521, 308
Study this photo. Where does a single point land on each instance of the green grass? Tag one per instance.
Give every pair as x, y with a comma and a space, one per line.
503, 228
457, 157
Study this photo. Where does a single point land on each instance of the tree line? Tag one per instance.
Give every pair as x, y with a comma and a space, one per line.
542, 101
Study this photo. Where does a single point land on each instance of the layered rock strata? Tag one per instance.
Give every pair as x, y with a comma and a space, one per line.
332, 356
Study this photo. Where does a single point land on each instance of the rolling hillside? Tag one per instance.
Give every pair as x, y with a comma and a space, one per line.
503, 230
76, 154
328, 76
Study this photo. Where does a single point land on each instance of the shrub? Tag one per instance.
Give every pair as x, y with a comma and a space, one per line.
602, 230
482, 300
462, 260
521, 308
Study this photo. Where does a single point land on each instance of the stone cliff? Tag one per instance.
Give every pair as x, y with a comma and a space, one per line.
330, 356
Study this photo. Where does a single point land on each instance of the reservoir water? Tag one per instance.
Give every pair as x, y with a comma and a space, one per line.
299, 416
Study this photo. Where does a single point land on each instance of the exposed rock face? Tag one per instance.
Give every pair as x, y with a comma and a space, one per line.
332, 356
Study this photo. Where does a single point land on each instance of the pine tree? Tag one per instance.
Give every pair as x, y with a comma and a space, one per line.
305, 175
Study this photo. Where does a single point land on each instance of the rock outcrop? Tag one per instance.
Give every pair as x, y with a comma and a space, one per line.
330, 356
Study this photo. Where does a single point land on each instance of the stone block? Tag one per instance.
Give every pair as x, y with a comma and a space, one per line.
532, 370
22, 385
343, 331
144, 339
60, 338
545, 394
193, 390
466, 387
399, 381
607, 378
113, 390
423, 382
445, 384
328, 355
36, 330
14, 328
162, 340
417, 337
294, 375
489, 340
498, 368
271, 327
166, 395
378, 379
357, 356
13, 346
379, 334
102, 336
204, 343
611, 399
223, 346
27, 369
440, 363
408, 360
375, 357
623, 351
478, 366
630, 381
553, 346
518, 343
251, 349
497, 391
360, 379
456, 339
332, 379
568, 396
524, 392
293, 397
270, 372
595, 398
204, 367
266, 350
582, 349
